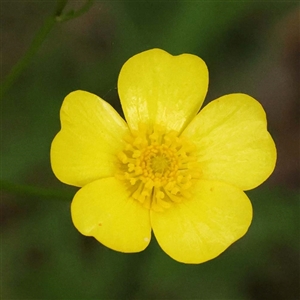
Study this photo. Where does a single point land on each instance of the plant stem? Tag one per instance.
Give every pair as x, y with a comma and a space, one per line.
39, 38
75, 14
27, 57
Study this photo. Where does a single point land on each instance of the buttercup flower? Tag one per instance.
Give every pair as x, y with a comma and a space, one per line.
167, 168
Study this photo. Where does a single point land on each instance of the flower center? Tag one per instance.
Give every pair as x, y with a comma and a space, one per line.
158, 167
158, 163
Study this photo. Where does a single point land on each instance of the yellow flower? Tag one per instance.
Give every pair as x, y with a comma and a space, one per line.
168, 169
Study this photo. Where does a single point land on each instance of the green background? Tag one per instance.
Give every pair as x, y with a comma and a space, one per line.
249, 46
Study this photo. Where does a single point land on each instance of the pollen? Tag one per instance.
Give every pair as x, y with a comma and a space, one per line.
159, 168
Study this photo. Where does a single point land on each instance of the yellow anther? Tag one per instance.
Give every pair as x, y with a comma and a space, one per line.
131, 167
136, 154
175, 190
133, 181
122, 157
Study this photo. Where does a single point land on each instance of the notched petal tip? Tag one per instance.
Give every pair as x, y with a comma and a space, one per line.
232, 141
156, 87
91, 134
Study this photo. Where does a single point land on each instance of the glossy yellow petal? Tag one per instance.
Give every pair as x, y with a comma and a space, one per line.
232, 141
103, 209
202, 227
92, 133
158, 88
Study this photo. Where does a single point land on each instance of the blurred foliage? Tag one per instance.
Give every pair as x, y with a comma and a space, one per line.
43, 256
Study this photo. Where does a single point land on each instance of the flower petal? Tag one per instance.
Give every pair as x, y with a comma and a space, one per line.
92, 133
158, 88
104, 209
202, 227
233, 143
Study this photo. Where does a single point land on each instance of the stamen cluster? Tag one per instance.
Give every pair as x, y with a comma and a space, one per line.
158, 167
